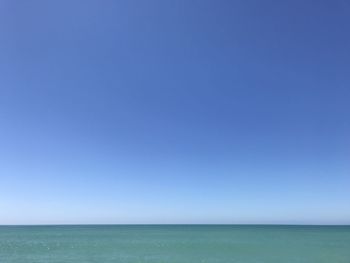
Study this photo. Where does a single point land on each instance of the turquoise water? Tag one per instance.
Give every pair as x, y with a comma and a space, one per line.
175, 243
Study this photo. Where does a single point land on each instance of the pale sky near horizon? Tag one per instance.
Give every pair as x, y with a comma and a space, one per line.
169, 111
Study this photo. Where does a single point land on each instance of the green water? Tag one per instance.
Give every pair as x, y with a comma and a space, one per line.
175, 243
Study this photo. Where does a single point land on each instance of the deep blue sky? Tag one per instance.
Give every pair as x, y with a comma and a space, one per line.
174, 111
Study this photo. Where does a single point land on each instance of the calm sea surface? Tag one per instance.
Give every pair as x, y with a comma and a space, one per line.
175, 243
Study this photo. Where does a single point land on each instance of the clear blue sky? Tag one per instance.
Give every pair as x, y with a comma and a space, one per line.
174, 111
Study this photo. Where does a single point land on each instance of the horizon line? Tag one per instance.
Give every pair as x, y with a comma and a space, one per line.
176, 224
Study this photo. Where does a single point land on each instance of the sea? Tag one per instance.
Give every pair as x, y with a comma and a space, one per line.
175, 244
